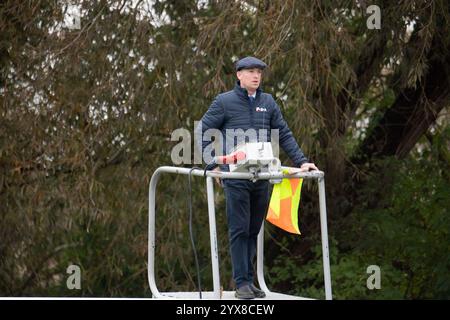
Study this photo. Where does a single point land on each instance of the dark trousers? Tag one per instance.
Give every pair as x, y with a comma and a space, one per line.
247, 204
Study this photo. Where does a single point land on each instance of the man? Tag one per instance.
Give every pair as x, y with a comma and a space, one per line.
243, 108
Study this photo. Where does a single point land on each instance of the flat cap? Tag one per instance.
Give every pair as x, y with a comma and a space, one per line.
250, 63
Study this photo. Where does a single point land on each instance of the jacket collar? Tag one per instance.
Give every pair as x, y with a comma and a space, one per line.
242, 92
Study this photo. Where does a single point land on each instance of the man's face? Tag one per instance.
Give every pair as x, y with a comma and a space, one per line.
250, 78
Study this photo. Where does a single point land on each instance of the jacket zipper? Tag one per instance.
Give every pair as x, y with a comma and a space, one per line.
251, 112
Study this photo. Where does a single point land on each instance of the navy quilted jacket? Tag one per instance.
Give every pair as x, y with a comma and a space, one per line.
234, 110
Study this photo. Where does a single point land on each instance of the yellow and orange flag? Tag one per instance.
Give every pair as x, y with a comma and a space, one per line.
283, 206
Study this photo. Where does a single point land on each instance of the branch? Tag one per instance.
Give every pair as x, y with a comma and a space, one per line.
413, 111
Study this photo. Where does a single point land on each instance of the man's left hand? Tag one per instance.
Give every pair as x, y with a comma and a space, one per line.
304, 168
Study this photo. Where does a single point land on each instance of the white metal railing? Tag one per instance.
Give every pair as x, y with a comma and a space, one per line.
216, 294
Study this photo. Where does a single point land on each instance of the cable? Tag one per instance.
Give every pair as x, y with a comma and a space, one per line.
191, 232
209, 166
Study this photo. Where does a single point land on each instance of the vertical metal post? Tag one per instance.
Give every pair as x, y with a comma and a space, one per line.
260, 260
151, 234
213, 237
324, 233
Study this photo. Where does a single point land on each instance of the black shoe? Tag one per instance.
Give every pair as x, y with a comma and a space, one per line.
244, 292
257, 292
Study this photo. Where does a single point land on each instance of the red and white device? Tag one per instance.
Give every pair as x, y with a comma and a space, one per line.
253, 156
232, 158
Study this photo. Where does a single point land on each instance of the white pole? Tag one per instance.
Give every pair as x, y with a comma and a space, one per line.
260, 260
324, 232
151, 234
213, 237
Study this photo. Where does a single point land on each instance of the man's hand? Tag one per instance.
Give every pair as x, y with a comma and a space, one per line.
304, 168
217, 179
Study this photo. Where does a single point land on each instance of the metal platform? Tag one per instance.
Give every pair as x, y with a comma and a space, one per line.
229, 295
226, 295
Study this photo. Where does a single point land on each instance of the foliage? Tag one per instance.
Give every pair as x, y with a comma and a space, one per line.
402, 225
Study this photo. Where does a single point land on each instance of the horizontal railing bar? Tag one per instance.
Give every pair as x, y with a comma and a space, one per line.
243, 175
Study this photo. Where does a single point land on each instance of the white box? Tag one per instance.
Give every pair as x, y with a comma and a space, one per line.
258, 154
